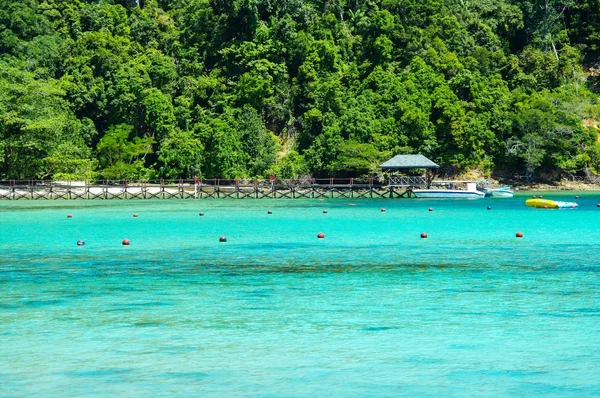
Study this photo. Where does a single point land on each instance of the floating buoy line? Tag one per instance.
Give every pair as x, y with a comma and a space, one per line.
321, 235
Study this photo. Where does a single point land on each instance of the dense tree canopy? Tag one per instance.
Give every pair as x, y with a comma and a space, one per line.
142, 89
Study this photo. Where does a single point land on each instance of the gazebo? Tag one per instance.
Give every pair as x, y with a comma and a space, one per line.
407, 162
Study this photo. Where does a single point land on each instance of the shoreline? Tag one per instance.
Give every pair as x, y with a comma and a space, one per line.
559, 186
244, 192
182, 191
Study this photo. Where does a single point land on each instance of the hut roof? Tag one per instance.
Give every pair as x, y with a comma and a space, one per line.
409, 162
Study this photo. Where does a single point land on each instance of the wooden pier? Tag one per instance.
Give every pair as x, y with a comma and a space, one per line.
204, 189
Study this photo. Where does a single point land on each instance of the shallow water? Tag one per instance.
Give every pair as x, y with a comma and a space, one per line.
371, 310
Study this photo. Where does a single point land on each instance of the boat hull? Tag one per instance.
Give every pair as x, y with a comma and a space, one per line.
447, 194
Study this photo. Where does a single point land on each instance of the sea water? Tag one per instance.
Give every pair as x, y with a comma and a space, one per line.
370, 310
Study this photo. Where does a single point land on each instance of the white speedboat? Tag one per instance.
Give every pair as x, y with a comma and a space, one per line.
502, 192
452, 191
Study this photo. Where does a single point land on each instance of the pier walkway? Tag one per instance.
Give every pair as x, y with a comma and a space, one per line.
208, 189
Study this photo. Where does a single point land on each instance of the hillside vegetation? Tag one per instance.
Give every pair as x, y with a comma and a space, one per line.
128, 89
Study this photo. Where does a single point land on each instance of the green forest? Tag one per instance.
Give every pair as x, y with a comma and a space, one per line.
148, 89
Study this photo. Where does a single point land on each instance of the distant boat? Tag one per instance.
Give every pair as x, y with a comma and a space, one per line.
501, 192
451, 191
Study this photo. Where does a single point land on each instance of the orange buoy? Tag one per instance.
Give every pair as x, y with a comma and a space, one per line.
424, 235
126, 242
222, 239
135, 215
69, 215
325, 211
519, 234
431, 209
383, 210
321, 235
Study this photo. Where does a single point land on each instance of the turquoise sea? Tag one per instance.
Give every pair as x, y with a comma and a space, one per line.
371, 310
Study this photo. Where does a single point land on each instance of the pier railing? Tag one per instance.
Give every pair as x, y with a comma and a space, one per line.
35, 184
407, 181
197, 188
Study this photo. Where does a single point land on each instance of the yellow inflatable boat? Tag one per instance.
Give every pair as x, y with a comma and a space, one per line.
550, 204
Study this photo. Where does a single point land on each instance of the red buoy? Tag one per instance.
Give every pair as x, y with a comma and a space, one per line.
69, 215
222, 239
126, 242
519, 234
321, 235
424, 235
135, 215
383, 210
431, 209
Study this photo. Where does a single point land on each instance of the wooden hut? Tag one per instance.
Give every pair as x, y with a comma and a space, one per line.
407, 163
